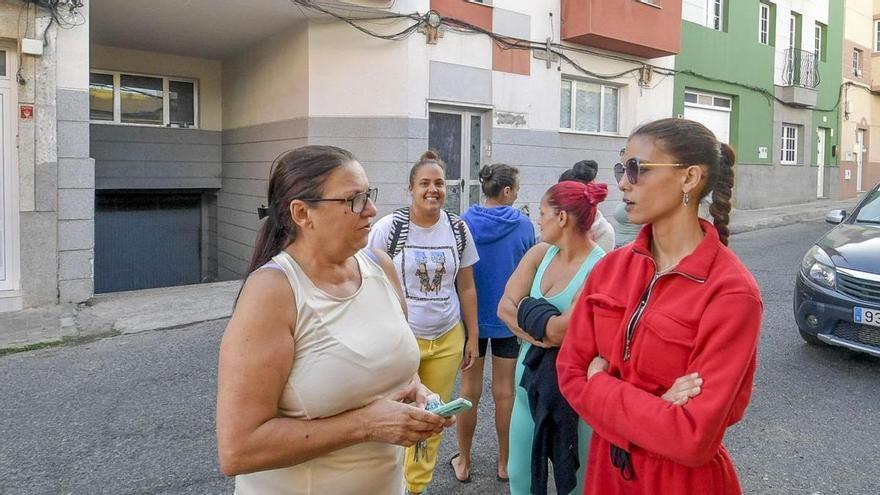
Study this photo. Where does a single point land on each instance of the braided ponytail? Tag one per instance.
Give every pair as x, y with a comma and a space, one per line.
722, 193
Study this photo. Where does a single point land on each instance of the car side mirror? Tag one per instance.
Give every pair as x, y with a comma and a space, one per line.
835, 217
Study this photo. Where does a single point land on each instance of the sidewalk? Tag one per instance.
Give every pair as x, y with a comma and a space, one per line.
115, 314
765, 218
158, 309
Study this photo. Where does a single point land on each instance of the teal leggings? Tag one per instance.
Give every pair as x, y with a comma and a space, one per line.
522, 432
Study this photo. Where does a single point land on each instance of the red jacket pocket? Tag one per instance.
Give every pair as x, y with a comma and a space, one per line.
662, 349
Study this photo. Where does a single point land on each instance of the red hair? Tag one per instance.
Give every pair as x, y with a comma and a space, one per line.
578, 200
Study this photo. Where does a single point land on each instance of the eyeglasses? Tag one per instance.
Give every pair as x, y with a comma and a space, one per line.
633, 167
358, 201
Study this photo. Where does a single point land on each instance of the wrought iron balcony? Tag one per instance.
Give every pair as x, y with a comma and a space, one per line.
801, 69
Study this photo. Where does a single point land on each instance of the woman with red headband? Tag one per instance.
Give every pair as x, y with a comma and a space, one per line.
535, 306
675, 302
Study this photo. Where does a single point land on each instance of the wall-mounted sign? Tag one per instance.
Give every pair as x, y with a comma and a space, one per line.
26, 112
762, 152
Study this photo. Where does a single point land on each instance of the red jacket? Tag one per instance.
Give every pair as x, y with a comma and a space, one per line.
703, 316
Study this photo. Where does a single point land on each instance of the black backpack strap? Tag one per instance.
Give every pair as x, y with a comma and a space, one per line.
399, 231
458, 230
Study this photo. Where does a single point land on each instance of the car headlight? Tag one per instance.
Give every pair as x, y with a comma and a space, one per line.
818, 267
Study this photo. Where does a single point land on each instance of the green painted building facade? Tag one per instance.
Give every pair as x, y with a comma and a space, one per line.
740, 77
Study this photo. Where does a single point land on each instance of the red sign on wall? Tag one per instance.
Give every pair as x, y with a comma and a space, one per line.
26, 112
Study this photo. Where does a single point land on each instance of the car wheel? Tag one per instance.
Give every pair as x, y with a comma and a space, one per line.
810, 338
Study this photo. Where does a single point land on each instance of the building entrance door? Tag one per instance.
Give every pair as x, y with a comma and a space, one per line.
860, 157
457, 135
9, 276
820, 161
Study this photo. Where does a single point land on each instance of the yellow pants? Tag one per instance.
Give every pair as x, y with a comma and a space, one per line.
440, 361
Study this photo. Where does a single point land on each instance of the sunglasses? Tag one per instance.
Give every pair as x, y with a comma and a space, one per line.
634, 166
358, 201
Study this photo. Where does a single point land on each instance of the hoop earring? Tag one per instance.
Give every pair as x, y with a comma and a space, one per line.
687, 199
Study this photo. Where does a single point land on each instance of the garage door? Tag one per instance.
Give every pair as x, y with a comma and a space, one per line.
713, 111
145, 240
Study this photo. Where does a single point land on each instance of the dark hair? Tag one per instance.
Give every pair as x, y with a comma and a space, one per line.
494, 178
299, 173
578, 200
583, 171
429, 157
691, 143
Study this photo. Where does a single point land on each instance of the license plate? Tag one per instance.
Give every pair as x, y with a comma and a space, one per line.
866, 316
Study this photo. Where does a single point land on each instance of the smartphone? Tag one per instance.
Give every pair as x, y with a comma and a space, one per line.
452, 408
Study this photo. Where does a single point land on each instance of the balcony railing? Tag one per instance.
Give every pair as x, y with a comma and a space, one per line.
801, 69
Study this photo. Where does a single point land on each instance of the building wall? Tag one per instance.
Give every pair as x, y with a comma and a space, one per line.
756, 119
267, 82
265, 112
811, 12
54, 177
142, 157
372, 97
857, 114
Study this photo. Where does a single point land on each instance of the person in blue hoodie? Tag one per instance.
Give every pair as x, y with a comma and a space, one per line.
502, 235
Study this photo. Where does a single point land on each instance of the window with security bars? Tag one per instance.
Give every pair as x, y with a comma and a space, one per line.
589, 107
788, 149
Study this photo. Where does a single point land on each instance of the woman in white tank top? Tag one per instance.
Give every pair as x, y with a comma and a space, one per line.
317, 384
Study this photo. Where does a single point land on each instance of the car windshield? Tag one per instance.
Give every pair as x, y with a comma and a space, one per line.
870, 210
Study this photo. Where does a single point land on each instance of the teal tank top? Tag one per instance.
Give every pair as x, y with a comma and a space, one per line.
564, 299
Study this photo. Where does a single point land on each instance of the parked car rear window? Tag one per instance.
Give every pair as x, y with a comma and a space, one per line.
870, 210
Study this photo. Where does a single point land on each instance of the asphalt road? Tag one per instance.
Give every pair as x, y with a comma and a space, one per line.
135, 414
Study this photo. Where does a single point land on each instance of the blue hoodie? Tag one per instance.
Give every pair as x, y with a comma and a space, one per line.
502, 236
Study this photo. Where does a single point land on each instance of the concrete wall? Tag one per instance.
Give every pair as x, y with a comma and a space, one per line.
206, 72
53, 172
248, 153
267, 82
142, 157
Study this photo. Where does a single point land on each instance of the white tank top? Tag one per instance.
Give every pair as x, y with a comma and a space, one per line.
348, 352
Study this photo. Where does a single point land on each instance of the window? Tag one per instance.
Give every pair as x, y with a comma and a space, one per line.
693, 98
589, 107
792, 31
817, 48
715, 9
789, 144
136, 99
764, 24
877, 36
101, 96
857, 62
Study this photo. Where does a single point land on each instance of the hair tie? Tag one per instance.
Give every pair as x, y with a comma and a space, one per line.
262, 212
596, 192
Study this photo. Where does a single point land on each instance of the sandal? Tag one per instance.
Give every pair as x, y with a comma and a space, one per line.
454, 473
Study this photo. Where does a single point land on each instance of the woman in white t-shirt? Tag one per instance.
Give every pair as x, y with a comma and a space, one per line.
434, 253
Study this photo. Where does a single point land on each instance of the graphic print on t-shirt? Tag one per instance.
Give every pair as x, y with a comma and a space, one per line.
424, 272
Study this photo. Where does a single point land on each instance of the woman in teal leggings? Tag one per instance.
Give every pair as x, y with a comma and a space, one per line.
555, 271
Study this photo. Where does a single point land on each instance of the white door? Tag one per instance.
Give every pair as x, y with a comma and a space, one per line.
860, 152
718, 121
457, 135
820, 161
8, 177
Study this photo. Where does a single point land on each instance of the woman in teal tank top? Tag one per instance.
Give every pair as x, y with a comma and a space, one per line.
553, 271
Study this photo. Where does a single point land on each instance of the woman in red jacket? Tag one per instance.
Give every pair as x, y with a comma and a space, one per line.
675, 302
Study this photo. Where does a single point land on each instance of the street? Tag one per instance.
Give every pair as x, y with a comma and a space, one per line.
135, 414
